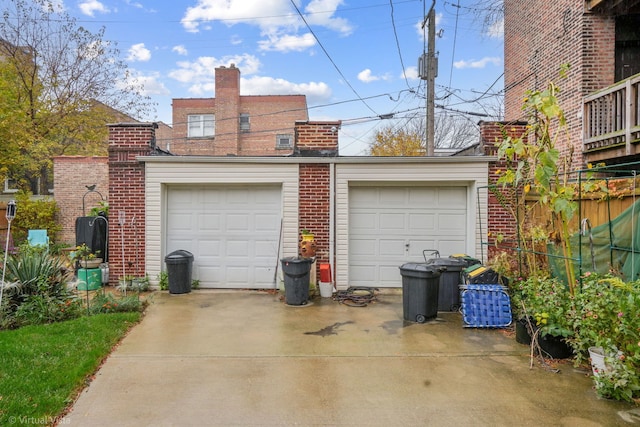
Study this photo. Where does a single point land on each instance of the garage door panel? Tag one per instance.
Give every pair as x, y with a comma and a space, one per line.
209, 222
363, 221
390, 274
451, 246
392, 247
364, 247
364, 273
389, 226
233, 232
417, 247
237, 275
208, 247
392, 198
237, 222
452, 222
180, 221
454, 197
266, 222
422, 221
421, 196
392, 221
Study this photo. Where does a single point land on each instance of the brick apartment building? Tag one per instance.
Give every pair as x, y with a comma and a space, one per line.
234, 124
600, 40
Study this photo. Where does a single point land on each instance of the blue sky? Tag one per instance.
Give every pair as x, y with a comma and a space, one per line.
355, 60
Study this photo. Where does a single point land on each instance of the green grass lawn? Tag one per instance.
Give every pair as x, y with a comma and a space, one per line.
42, 368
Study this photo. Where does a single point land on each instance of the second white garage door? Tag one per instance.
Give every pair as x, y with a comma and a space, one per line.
389, 226
232, 230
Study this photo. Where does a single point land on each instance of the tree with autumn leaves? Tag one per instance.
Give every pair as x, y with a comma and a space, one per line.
60, 84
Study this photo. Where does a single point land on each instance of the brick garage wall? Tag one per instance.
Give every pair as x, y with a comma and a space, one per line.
315, 205
499, 220
540, 36
314, 185
71, 176
127, 195
317, 135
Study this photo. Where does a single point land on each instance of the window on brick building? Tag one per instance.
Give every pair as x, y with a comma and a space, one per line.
627, 46
284, 141
10, 186
201, 125
244, 122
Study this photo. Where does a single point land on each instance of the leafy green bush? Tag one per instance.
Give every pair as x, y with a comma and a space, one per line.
606, 314
35, 290
106, 302
40, 309
34, 214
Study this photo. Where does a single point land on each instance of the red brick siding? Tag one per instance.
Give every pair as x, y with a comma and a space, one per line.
500, 221
316, 135
127, 194
71, 175
540, 36
314, 205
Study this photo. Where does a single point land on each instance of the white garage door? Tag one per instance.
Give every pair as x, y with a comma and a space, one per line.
389, 226
232, 231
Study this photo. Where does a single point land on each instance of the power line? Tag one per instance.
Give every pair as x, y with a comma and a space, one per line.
329, 57
455, 37
395, 34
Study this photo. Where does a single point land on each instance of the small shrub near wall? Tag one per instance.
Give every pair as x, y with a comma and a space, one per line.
34, 214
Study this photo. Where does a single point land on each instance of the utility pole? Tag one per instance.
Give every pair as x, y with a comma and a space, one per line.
432, 72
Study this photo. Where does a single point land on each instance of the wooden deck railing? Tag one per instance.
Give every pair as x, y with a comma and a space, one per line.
612, 117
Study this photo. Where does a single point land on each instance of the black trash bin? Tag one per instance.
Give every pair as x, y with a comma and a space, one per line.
179, 267
420, 282
296, 279
450, 281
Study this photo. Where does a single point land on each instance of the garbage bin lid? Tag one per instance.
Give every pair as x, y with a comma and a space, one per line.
452, 264
297, 260
180, 254
420, 267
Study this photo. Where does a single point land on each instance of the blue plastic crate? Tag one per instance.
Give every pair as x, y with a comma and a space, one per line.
485, 306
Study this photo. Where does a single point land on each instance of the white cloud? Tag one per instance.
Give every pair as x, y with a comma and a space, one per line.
315, 91
320, 12
134, 4
410, 73
90, 7
180, 50
138, 52
278, 21
287, 43
150, 82
478, 64
200, 74
365, 76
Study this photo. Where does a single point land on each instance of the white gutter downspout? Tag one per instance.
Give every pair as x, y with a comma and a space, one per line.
332, 221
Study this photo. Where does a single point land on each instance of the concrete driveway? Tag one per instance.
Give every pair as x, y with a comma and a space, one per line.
244, 358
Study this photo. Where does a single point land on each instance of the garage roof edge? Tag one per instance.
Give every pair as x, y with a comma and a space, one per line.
319, 160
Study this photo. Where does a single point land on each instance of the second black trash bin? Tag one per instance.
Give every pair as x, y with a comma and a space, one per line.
296, 279
420, 283
450, 281
179, 268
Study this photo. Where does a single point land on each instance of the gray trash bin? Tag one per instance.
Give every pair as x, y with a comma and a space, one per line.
420, 283
450, 280
179, 267
296, 279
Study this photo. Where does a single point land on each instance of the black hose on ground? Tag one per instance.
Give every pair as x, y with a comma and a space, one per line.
356, 296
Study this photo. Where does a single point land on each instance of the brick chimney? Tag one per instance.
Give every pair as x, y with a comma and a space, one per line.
316, 138
227, 109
